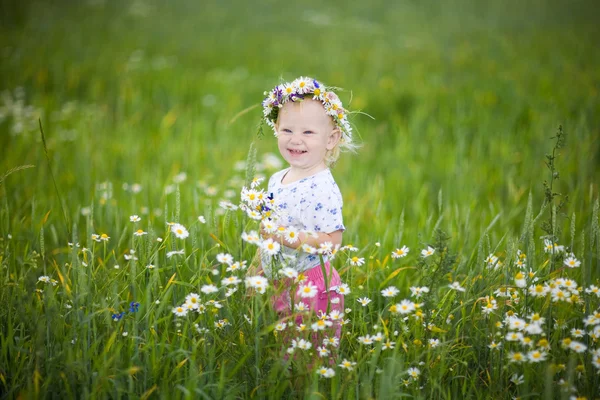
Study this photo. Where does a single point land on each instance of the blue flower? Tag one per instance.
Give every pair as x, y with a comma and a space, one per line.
133, 306
117, 317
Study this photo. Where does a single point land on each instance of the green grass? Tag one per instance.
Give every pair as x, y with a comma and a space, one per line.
465, 97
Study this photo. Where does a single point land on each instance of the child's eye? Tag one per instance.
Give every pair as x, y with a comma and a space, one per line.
287, 131
308, 132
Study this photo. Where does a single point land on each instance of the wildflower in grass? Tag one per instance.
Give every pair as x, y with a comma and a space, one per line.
326, 372
201, 308
552, 248
95, 237
514, 336
419, 291
516, 323
596, 358
323, 351
180, 311
405, 307
117, 317
517, 379
364, 301
140, 232
577, 332
489, 307
335, 315
289, 272
343, 289
214, 304
308, 290
414, 372
174, 253
271, 247
320, 325
225, 258
256, 181
427, 252
494, 345
134, 306
208, 289
516, 357
559, 294
434, 343
365, 339
230, 291
179, 231
194, 299
280, 327
44, 278
104, 237
201, 219
238, 265
591, 320
257, 282
303, 344
577, 347
456, 286
222, 323
593, 290
134, 218
388, 345
301, 328
378, 337
325, 248
533, 329
159, 239
491, 261
399, 253
150, 266
356, 261
520, 280
538, 290
390, 291
347, 365
331, 341
349, 247
301, 307
230, 280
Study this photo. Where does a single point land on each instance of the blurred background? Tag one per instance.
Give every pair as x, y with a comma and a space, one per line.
465, 96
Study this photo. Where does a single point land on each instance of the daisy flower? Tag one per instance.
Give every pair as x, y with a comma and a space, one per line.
227, 205
289, 272
577, 347
208, 289
414, 372
390, 291
365, 339
140, 232
572, 262
201, 219
456, 286
269, 226
193, 299
427, 252
179, 231
516, 357
169, 254
134, 218
180, 311
252, 237
231, 280
308, 249
357, 261
225, 258
419, 291
271, 247
301, 307
308, 290
347, 365
343, 289
291, 235
320, 325
331, 341
399, 253
364, 301
326, 372
259, 283
593, 290
104, 237
405, 307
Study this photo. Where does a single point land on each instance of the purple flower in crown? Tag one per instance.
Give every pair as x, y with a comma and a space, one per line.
316, 84
295, 96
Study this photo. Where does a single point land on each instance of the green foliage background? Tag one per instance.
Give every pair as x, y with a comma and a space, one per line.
464, 97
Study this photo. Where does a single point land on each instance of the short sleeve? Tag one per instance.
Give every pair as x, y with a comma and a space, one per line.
324, 211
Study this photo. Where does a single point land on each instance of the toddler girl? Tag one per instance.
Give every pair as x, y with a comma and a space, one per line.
311, 127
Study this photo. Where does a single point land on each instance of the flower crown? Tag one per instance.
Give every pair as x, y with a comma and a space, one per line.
300, 89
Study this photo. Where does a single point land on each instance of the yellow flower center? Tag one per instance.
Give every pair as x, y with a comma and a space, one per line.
179, 231
104, 236
140, 231
317, 92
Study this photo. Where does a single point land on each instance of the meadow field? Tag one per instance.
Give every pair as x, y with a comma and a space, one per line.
471, 256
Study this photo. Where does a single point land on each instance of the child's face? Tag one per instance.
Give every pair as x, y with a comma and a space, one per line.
305, 133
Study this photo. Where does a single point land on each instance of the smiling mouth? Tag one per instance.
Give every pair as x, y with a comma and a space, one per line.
297, 152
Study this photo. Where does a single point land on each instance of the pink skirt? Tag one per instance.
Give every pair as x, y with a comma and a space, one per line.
282, 300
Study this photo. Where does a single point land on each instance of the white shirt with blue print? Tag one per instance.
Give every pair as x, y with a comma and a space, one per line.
314, 204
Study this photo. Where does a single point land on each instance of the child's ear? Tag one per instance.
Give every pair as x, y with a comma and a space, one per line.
334, 138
